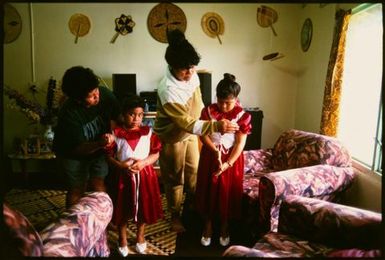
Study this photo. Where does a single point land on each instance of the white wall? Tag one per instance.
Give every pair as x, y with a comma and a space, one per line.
313, 65
272, 86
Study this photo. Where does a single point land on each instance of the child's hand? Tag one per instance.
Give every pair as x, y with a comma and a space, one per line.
137, 166
223, 167
219, 156
127, 163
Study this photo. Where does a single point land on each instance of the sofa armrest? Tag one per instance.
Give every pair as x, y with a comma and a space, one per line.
81, 231
320, 181
336, 225
257, 161
18, 237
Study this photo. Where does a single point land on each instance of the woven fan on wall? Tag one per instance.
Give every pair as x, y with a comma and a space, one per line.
79, 25
213, 25
266, 17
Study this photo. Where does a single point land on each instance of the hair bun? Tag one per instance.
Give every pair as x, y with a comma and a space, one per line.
175, 37
228, 76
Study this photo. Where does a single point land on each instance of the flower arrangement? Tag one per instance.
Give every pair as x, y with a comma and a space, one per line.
32, 109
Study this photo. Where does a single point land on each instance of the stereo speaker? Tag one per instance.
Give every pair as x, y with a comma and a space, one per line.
124, 85
253, 141
205, 85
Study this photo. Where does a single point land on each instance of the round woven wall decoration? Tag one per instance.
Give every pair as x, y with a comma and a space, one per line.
212, 24
79, 25
12, 23
165, 17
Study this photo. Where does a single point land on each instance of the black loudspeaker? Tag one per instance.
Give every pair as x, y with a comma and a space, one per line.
205, 79
253, 141
124, 85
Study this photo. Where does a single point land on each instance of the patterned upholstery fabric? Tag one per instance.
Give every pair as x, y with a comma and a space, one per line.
295, 149
300, 163
80, 231
310, 227
21, 231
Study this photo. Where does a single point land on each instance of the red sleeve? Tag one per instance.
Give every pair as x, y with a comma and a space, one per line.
205, 114
155, 144
245, 123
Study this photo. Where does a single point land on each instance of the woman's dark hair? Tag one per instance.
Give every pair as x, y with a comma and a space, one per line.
78, 82
180, 54
131, 102
228, 87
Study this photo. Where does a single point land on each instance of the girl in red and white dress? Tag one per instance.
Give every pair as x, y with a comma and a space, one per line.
220, 171
136, 191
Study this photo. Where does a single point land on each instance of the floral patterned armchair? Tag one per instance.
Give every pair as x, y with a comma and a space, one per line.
310, 227
300, 163
80, 231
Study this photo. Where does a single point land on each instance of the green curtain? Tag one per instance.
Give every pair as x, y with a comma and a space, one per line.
332, 93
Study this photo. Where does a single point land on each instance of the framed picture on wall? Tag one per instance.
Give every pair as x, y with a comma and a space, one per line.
31, 145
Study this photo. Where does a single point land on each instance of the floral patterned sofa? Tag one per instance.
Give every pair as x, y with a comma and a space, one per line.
310, 227
300, 163
80, 231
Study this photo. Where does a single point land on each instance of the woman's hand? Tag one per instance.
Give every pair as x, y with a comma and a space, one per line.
107, 139
226, 126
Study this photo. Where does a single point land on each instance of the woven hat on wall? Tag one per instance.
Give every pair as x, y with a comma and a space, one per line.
165, 17
213, 25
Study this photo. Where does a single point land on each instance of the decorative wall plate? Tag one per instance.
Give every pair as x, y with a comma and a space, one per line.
79, 25
165, 17
306, 34
213, 25
12, 23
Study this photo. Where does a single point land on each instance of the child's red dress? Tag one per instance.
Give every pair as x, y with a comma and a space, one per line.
221, 196
135, 196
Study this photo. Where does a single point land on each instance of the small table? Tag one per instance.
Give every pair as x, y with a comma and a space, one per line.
23, 158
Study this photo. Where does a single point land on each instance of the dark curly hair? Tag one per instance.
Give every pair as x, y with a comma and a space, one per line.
227, 86
130, 102
78, 81
180, 54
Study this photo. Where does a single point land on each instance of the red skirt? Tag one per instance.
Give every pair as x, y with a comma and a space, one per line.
136, 196
219, 196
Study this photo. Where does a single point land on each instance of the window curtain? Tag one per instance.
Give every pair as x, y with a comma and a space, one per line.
332, 93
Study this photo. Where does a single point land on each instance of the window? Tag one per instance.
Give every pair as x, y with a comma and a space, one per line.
361, 105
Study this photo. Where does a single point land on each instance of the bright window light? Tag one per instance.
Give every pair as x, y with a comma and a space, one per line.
362, 80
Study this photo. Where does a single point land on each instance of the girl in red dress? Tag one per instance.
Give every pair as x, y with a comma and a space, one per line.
220, 171
136, 191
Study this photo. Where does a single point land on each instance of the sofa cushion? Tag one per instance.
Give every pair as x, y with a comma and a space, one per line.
296, 149
257, 162
21, 232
